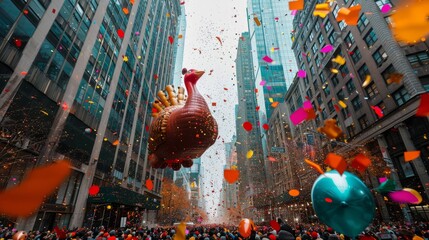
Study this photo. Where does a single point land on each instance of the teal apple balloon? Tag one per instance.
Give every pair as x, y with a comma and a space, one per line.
343, 202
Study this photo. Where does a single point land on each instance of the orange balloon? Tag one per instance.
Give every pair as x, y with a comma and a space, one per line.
294, 192
245, 228
149, 185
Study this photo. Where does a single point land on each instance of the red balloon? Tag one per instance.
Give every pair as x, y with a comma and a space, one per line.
247, 126
93, 190
121, 33
265, 126
245, 228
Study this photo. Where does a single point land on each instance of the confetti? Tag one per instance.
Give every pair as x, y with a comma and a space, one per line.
406, 195
220, 40
321, 10
409, 21
411, 155
120, 33
262, 83
116, 142
330, 129
296, 5
247, 126
378, 111
149, 184
274, 104
395, 78
423, 110
349, 15
386, 8
125, 10
249, 154
342, 104
265, 127
267, 59
231, 175
294, 192
340, 60
24, 199
360, 163
336, 162
314, 165
327, 48
170, 39
302, 73
93, 190
367, 81
271, 159
257, 22
18, 43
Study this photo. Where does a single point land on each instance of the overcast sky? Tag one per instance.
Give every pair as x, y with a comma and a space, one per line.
206, 20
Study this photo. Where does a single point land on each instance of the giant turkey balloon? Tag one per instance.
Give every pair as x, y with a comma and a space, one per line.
343, 202
182, 129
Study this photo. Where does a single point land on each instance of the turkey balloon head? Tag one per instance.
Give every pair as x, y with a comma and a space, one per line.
183, 128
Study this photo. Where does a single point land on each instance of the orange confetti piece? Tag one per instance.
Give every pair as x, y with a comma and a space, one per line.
24, 199
330, 129
125, 10
423, 110
294, 192
213, 104
409, 20
349, 15
256, 19
314, 165
296, 5
231, 175
395, 78
180, 36
274, 104
336, 162
321, 10
132, 2
411, 155
149, 184
271, 159
360, 163
116, 142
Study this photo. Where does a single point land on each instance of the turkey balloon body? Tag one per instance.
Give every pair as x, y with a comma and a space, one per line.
182, 130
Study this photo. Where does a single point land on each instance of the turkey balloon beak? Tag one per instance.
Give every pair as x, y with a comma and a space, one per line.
199, 73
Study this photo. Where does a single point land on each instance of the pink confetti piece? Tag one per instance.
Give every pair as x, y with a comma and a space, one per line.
386, 8
267, 59
269, 87
307, 105
293, 13
302, 74
262, 83
299, 116
382, 179
327, 48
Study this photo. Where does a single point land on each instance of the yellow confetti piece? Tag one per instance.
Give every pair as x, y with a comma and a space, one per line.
333, 70
342, 104
271, 100
44, 112
249, 154
367, 81
340, 60
321, 10
167, 15
256, 19
125, 59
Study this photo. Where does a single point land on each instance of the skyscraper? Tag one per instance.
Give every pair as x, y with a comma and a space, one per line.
179, 48
252, 171
379, 119
78, 79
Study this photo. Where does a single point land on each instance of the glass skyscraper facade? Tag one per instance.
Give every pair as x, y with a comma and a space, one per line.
77, 80
180, 48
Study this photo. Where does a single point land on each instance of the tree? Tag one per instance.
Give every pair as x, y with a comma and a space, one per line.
175, 204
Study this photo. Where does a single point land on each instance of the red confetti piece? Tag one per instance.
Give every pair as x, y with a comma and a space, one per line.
54, 10
257, 108
231, 175
156, 76
182, 3
360, 163
423, 110
149, 185
247, 126
213, 104
93, 190
64, 106
121, 33
378, 111
170, 39
18, 43
265, 127
25, 11
336, 162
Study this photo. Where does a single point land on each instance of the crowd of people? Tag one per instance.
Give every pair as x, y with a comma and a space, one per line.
417, 231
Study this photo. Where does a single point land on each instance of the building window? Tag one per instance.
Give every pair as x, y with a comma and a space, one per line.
335, 11
356, 56
357, 104
334, 81
314, 48
324, 114
345, 112
320, 39
331, 107
342, 25
344, 70
350, 86
340, 95
371, 90
379, 56
362, 23
351, 130
331, 38
349, 39
322, 77
401, 96
363, 71
315, 85
317, 26
370, 38
381, 3
418, 59
328, 26
386, 73
319, 99
326, 90
363, 122
312, 70
311, 37
317, 60
309, 93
